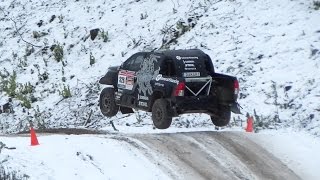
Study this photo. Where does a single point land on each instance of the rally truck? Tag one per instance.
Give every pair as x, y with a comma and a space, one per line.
169, 83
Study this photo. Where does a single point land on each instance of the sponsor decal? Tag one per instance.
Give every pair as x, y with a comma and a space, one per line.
188, 61
143, 97
159, 84
189, 65
146, 73
191, 74
122, 86
182, 58
161, 78
144, 104
190, 69
126, 79
118, 95
126, 73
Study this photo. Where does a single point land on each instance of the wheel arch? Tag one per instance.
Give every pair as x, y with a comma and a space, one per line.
155, 95
110, 78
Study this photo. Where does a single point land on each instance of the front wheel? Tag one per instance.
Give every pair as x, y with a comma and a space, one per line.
107, 102
161, 115
222, 118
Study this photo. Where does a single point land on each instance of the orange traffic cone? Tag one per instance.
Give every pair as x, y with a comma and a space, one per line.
249, 124
34, 139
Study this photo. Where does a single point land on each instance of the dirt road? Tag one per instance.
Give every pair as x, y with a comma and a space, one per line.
201, 155
211, 155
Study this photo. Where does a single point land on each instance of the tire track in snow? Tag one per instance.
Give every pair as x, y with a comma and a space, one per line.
216, 155
261, 163
204, 155
225, 158
166, 167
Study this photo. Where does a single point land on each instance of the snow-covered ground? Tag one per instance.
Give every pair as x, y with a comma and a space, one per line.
105, 157
271, 46
296, 149
77, 157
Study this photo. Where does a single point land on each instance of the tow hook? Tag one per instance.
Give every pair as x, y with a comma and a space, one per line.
235, 108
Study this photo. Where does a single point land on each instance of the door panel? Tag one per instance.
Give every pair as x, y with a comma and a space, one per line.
127, 82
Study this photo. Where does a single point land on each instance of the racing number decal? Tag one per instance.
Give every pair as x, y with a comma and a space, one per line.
126, 79
122, 79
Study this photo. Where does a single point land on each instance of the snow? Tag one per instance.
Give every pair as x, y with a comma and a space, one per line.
109, 157
78, 157
268, 45
300, 151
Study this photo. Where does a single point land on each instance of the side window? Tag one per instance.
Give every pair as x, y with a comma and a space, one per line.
128, 63
137, 63
134, 62
167, 68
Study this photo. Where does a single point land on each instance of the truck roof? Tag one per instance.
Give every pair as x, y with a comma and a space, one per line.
190, 62
188, 54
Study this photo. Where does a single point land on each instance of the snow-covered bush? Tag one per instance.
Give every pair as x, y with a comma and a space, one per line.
58, 52
11, 175
9, 85
65, 92
316, 5
6, 174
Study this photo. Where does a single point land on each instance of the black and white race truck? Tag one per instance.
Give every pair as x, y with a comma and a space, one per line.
169, 83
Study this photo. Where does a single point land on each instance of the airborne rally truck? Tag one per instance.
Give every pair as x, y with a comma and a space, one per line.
169, 83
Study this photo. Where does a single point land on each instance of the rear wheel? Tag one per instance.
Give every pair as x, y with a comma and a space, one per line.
107, 102
161, 115
222, 118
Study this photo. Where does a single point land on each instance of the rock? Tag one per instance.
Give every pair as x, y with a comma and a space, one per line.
7, 107
314, 52
260, 56
94, 33
287, 88
44, 50
311, 116
40, 23
52, 18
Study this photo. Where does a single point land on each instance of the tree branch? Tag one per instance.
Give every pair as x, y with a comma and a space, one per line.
18, 30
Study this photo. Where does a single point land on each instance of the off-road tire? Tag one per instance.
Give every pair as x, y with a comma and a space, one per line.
107, 102
161, 115
222, 118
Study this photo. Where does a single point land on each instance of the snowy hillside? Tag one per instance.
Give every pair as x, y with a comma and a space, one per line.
46, 52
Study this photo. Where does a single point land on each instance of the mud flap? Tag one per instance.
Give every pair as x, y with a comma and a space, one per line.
235, 108
125, 110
